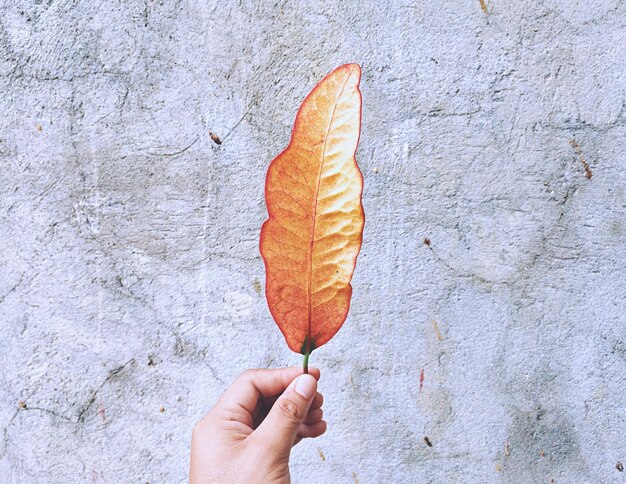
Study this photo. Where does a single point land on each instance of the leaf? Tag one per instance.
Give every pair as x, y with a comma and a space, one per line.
313, 235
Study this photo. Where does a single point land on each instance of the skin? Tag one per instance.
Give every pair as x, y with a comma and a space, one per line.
249, 433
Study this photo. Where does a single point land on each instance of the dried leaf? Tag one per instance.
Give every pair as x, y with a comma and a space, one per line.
312, 237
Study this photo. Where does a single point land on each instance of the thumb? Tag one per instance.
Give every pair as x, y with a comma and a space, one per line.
280, 427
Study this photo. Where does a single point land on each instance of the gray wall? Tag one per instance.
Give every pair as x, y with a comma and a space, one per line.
131, 281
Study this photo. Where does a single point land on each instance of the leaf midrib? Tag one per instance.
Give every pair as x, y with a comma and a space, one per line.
314, 217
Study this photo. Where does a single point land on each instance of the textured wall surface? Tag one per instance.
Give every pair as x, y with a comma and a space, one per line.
493, 260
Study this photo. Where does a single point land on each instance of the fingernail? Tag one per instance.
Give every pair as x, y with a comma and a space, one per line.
306, 386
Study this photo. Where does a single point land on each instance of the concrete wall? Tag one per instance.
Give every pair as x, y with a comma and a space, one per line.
131, 281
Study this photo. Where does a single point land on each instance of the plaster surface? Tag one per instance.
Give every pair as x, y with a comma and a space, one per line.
130, 275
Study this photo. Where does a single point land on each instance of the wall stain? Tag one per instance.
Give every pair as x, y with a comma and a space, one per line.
437, 332
216, 139
579, 152
484, 7
321, 454
541, 441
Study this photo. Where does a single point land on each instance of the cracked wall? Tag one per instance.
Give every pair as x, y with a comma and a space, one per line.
494, 256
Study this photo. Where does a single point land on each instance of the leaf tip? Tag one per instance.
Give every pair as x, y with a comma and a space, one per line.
352, 69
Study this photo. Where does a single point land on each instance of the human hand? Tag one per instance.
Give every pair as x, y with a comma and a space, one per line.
248, 435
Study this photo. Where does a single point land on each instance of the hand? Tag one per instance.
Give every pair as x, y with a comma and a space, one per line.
248, 435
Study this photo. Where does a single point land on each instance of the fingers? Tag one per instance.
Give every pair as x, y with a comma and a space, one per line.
252, 385
318, 401
314, 416
313, 430
280, 428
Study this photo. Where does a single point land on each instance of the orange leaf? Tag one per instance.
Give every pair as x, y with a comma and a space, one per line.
312, 237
